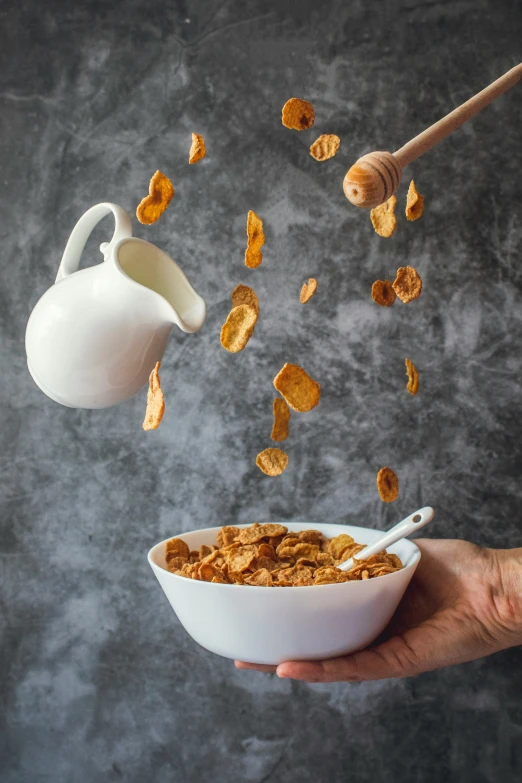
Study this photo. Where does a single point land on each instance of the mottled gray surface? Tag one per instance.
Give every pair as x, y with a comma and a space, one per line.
99, 681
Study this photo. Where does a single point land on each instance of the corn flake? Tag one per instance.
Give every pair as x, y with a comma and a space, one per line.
207, 572
338, 544
235, 577
414, 203
413, 377
155, 401
204, 551
241, 558
407, 285
175, 564
238, 328
251, 535
329, 575
298, 551
161, 192
325, 559
281, 423
289, 540
311, 537
388, 485
298, 114
255, 241
227, 536
383, 218
243, 294
300, 391
260, 578
349, 551
383, 293
296, 575
266, 550
215, 558
394, 560
267, 563
308, 290
325, 147
272, 461
197, 148
177, 547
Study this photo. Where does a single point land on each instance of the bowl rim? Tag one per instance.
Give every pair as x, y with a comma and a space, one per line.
416, 556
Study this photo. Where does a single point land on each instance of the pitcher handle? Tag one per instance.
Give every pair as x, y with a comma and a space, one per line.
82, 230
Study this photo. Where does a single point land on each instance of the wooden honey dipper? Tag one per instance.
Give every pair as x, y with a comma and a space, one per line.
376, 176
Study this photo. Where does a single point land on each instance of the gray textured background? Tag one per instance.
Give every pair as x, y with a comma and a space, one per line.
98, 680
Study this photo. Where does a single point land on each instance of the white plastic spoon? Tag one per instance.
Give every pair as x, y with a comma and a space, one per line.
402, 530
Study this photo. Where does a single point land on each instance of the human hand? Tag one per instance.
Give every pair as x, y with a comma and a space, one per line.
464, 602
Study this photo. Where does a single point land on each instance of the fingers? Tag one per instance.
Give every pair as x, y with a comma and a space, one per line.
447, 638
258, 667
394, 658
432, 645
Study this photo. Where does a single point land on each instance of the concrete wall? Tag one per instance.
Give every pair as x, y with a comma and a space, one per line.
99, 682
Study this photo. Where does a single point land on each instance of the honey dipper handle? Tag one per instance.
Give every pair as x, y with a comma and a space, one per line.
441, 129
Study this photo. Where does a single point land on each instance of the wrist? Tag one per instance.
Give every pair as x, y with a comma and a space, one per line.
507, 591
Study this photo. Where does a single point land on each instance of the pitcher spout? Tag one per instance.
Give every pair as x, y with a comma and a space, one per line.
146, 265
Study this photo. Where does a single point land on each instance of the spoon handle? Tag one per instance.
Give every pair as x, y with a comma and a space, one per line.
402, 530
437, 132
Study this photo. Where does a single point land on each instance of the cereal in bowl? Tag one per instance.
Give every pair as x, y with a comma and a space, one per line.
269, 555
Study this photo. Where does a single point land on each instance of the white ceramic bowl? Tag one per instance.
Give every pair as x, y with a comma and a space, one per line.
276, 624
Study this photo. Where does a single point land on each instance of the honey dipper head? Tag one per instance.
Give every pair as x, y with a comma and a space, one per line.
373, 179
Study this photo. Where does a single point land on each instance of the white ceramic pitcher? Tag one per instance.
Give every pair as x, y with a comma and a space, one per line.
94, 337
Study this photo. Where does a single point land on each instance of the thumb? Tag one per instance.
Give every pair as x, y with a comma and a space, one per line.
417, 650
